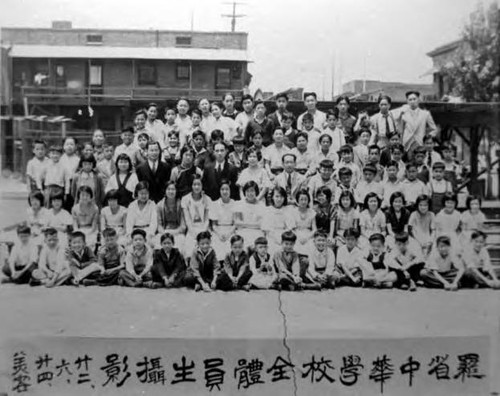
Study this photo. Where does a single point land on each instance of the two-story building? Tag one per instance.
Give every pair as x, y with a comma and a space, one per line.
67, 71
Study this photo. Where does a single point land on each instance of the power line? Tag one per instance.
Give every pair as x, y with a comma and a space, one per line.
233, 16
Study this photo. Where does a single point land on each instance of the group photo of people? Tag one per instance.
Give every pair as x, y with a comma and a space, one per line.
231, 196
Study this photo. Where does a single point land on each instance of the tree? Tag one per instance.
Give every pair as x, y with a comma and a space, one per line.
474, 72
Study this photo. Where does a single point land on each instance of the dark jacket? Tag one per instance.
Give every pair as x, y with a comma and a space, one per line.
212, 180
172, 266
233, 267
157, 181
205, 267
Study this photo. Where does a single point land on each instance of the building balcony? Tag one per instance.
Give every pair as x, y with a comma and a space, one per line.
114, 95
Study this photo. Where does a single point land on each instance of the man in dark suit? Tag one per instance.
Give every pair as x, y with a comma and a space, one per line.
217, 171
155, 172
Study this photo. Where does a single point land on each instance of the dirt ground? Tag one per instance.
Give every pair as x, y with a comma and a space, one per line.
343, 313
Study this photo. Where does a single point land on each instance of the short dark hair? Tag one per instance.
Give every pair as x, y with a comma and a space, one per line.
369, 196
370, 168
471, 198
56, 147
478, 234
402, 237
251, 184
325, 136
109, 232
392, 163
130, 129
438, 165
38, 141
416, 93
319, 233
142, 185
124, 157
253, 150
326, 191
341, 98
87, 158
395, 195
261, 241
450, 196
397, 146
281, 191
302, 135
77, 234
23, 229
138, 231
374, 147
152, 143
386, 97
349, 195
288, 236
305, 192
351, 232
49, 231
377, 237
367, 130
422, 198
346, 148
246, 97
38, 195
411, 164
306, 94
167, 235
444, 240
326, 163
216, 134
308, 117
57, 196
345, 171
235, 238
84, 189
282, 95
289, 155
203, 235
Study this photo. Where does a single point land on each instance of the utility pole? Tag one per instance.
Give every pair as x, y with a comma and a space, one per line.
233, 16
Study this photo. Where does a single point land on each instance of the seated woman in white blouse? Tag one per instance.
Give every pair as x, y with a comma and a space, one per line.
142, 213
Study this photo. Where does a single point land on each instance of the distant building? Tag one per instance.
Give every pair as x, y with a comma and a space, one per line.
369, 90
63, 70
443, 56
294, 94
262, 95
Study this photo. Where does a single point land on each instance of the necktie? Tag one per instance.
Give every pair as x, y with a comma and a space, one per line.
154, 167
387, 128
429, 159
289, 186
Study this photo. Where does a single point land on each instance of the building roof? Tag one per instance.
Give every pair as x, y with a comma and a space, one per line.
445, 48
107, 52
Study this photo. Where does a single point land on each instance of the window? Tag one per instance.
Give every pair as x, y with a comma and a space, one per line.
183, 41
183, 71
147, 74
236, 72
94, 39
60, 76
223, 77
95, 75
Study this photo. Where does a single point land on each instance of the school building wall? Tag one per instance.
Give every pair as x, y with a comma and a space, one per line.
123, 38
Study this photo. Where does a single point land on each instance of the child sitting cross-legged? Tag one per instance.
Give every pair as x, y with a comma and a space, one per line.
286, 261
321, 263
138, 263
407, 262
23, 258
82, 261
111, 257
376, 271
53, 269
263, 271
479, 270
235, 272
348, 269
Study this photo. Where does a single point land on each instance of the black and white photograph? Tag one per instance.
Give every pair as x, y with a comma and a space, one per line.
215, 197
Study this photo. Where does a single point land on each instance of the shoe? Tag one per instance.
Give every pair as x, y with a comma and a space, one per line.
6, 281
197, 287
413, 287
89, 282
247, 288
420, 283
404, 287
291, 288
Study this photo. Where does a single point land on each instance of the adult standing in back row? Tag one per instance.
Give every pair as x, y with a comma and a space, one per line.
311, 100
383, 124
155, 172
415, 123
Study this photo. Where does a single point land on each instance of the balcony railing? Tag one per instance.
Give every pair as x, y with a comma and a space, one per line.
122, 93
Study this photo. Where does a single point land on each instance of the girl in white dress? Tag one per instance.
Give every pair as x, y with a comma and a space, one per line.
114, 216
195, 206
278, 219
254, 172
249, 214
222, 221
305, 219
141, 213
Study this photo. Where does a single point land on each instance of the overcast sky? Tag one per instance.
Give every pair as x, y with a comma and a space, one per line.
291, 42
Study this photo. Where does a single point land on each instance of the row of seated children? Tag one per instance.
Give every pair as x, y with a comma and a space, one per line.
141, 266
